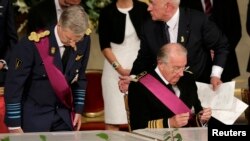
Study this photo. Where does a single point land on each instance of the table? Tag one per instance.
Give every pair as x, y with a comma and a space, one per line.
187, 134
75, 136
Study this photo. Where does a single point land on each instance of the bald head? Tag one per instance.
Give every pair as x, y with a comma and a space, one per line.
172, 60
171, 50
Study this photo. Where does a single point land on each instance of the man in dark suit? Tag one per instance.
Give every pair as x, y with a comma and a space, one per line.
8, 38
41, 93
190, 28
225, 13
148, 111
47, 13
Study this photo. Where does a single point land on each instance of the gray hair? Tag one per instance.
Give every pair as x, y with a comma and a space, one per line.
171, 49
75, 18
175, 2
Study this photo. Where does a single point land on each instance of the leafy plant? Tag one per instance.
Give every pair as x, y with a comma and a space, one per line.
171, 135
103, 136
93, 8
6, 139
43, 137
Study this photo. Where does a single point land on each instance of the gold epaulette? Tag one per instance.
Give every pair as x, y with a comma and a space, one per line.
88, 31
37, 36
139, 76
90, 28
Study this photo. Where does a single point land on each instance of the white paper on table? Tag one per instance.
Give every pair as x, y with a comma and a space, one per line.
220, 99
230, 116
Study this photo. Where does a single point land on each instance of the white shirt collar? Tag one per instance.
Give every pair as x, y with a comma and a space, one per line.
161, 76
173, 22
60, 44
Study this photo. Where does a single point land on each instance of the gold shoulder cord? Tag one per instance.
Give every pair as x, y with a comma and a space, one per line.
37, 36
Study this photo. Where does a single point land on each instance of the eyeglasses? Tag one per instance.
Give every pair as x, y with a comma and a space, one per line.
179, 69
176, 69
72, 38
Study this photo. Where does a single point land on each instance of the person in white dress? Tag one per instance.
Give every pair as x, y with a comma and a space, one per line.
119, 32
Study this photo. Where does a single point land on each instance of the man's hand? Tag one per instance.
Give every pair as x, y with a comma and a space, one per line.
179, 120
16, 130
123, 83
77, 121
215, 81
205, 115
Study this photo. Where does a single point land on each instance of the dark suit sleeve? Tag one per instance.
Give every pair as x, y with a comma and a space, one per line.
79, 88
146, 58
18, 72
214, 39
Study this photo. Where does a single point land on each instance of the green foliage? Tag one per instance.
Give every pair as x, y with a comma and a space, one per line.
103, 136
6, 139
42, 137
172, 135
93, 8
178, 137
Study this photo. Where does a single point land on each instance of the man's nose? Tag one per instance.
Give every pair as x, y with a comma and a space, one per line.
181, 73
149, 7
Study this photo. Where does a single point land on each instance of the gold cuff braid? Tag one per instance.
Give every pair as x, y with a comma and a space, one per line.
155, 123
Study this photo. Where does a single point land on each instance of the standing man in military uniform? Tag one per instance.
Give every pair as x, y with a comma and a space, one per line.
46, 83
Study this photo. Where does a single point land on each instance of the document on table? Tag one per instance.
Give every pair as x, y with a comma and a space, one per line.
225, 107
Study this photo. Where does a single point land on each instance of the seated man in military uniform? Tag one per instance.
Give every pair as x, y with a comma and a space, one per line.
166, 97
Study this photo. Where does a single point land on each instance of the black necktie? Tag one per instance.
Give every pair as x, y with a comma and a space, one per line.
167, 33
170, 88
65, 57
